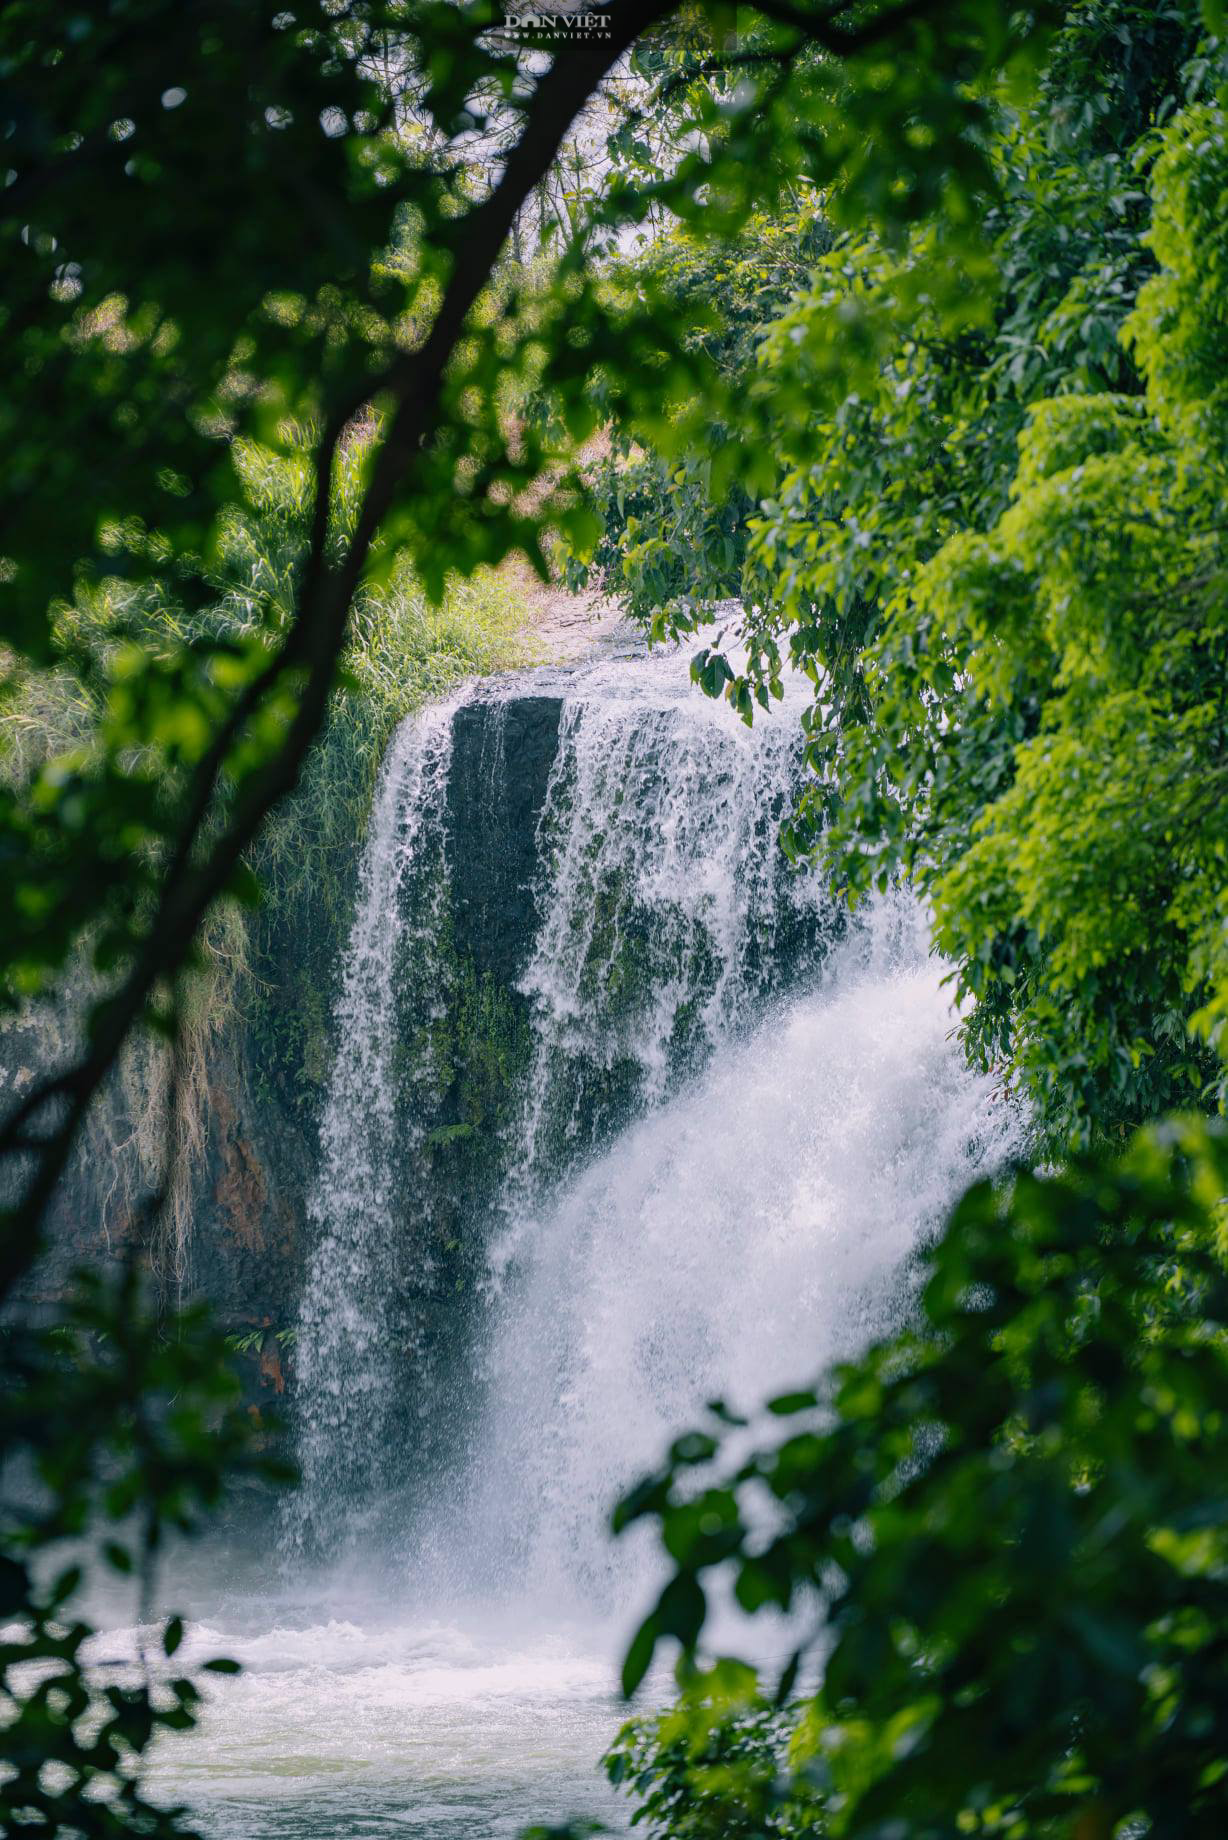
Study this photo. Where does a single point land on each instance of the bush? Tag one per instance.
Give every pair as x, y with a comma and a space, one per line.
1013, 1517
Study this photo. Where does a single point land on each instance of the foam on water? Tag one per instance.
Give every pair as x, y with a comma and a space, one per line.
349, 1727
739, 1118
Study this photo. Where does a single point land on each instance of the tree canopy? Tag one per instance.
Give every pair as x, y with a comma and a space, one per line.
990, 530
902, 321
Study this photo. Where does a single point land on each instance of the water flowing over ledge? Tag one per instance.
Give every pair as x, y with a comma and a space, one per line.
725, 1114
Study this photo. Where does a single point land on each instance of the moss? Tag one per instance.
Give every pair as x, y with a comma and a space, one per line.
478, 1050
404, 653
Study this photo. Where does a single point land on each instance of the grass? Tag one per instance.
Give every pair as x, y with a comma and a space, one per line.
268, 971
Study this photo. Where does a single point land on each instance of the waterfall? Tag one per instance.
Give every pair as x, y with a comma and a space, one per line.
666, 908
624, 1115
736, 1115
350, 1336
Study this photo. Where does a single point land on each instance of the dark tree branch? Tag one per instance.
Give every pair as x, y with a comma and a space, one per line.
57, 1106
317, 639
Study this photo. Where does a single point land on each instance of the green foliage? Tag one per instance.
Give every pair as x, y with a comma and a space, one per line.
250, 1342
994, 543
715, 1766
674, 530
142, 139
1092, 884
240, 268
114, 1438
1011, 1516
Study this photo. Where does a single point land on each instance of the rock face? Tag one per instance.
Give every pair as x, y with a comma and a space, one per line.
248, 1239
502, 753
233, 1231
503, 750
240, 1239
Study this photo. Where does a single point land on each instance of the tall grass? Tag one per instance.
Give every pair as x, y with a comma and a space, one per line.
404, 652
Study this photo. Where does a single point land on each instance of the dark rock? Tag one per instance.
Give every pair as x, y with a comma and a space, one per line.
502, 753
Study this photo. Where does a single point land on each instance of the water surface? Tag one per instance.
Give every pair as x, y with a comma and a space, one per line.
349, 1727
740, 1116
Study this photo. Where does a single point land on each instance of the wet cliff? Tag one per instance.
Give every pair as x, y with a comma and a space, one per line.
580, 892
247, 1142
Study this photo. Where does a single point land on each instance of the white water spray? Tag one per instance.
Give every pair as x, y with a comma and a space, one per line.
344, 1353
738, 1116
729, 1245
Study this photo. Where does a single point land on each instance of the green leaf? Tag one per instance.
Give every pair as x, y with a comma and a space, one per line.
638, 1658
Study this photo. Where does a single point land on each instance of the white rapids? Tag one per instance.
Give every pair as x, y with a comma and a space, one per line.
786, 1137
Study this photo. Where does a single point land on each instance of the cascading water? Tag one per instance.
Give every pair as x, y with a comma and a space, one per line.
666, 915
667, 911
726, 1246
348, 1329
733, 1115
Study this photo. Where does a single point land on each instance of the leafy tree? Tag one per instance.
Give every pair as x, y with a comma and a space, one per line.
287, 226
715, 1765
991, 541
1009, 1517
116, 1436
674, 529
1055, 693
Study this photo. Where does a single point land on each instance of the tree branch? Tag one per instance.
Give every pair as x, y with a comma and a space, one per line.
317, 639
